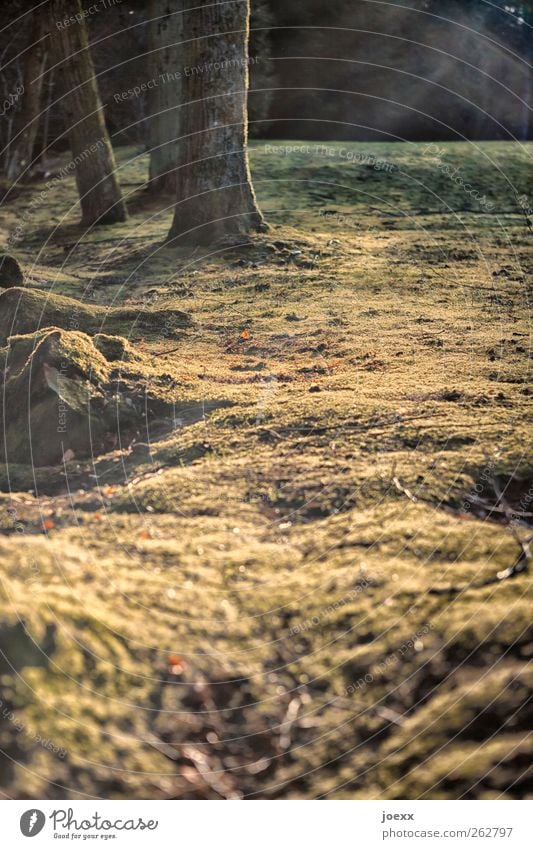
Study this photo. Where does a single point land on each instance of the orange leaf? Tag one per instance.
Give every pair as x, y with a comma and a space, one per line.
48, 524
146, 535
176, 664
245, 334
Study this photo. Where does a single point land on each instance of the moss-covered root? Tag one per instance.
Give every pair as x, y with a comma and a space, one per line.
28, 310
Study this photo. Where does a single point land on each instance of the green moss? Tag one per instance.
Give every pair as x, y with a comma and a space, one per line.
27, 310
313, 551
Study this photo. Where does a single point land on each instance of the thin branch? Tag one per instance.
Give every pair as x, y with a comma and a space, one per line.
521, 563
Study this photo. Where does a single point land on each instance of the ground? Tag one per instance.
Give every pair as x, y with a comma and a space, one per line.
298, 589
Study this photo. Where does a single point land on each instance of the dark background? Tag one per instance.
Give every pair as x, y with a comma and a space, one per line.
334, 69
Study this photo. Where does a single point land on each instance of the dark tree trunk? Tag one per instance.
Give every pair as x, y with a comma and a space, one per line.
100, 196
41, 154
215, 194
164, 93
27, 119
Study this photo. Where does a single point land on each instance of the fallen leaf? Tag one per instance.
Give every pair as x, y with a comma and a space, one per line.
176, 664
245, 334
48, 524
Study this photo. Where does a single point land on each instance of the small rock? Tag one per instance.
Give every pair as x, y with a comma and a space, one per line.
315, 388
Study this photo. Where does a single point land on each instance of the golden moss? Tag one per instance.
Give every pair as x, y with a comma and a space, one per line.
301, 570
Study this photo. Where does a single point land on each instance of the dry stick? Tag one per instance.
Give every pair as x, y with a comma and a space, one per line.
404, 490
287, 723
493, 508
172, 350
521, 564
433, 271
391, 716
417, 499
163, 748
164, 353
196, 758
318, 430
529, 225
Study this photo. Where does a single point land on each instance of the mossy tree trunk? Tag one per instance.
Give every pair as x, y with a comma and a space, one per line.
100, 196
215, 193
27, 119
164, 93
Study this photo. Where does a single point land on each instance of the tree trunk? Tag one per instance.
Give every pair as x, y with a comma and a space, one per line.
92, 154
215, 194
164, 93
42, 153
27, 119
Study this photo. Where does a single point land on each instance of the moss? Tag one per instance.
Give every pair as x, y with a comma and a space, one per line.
115, 348
71, 351
66, 400
26, 311
303, 576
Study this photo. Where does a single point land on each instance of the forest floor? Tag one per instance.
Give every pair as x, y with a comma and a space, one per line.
303, 585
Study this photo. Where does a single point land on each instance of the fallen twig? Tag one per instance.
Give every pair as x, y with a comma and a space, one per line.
521, 563
288, 722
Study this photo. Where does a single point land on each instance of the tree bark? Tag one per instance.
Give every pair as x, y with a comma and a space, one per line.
41, 154
215, 194
164, 93
92, 154
26, 121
